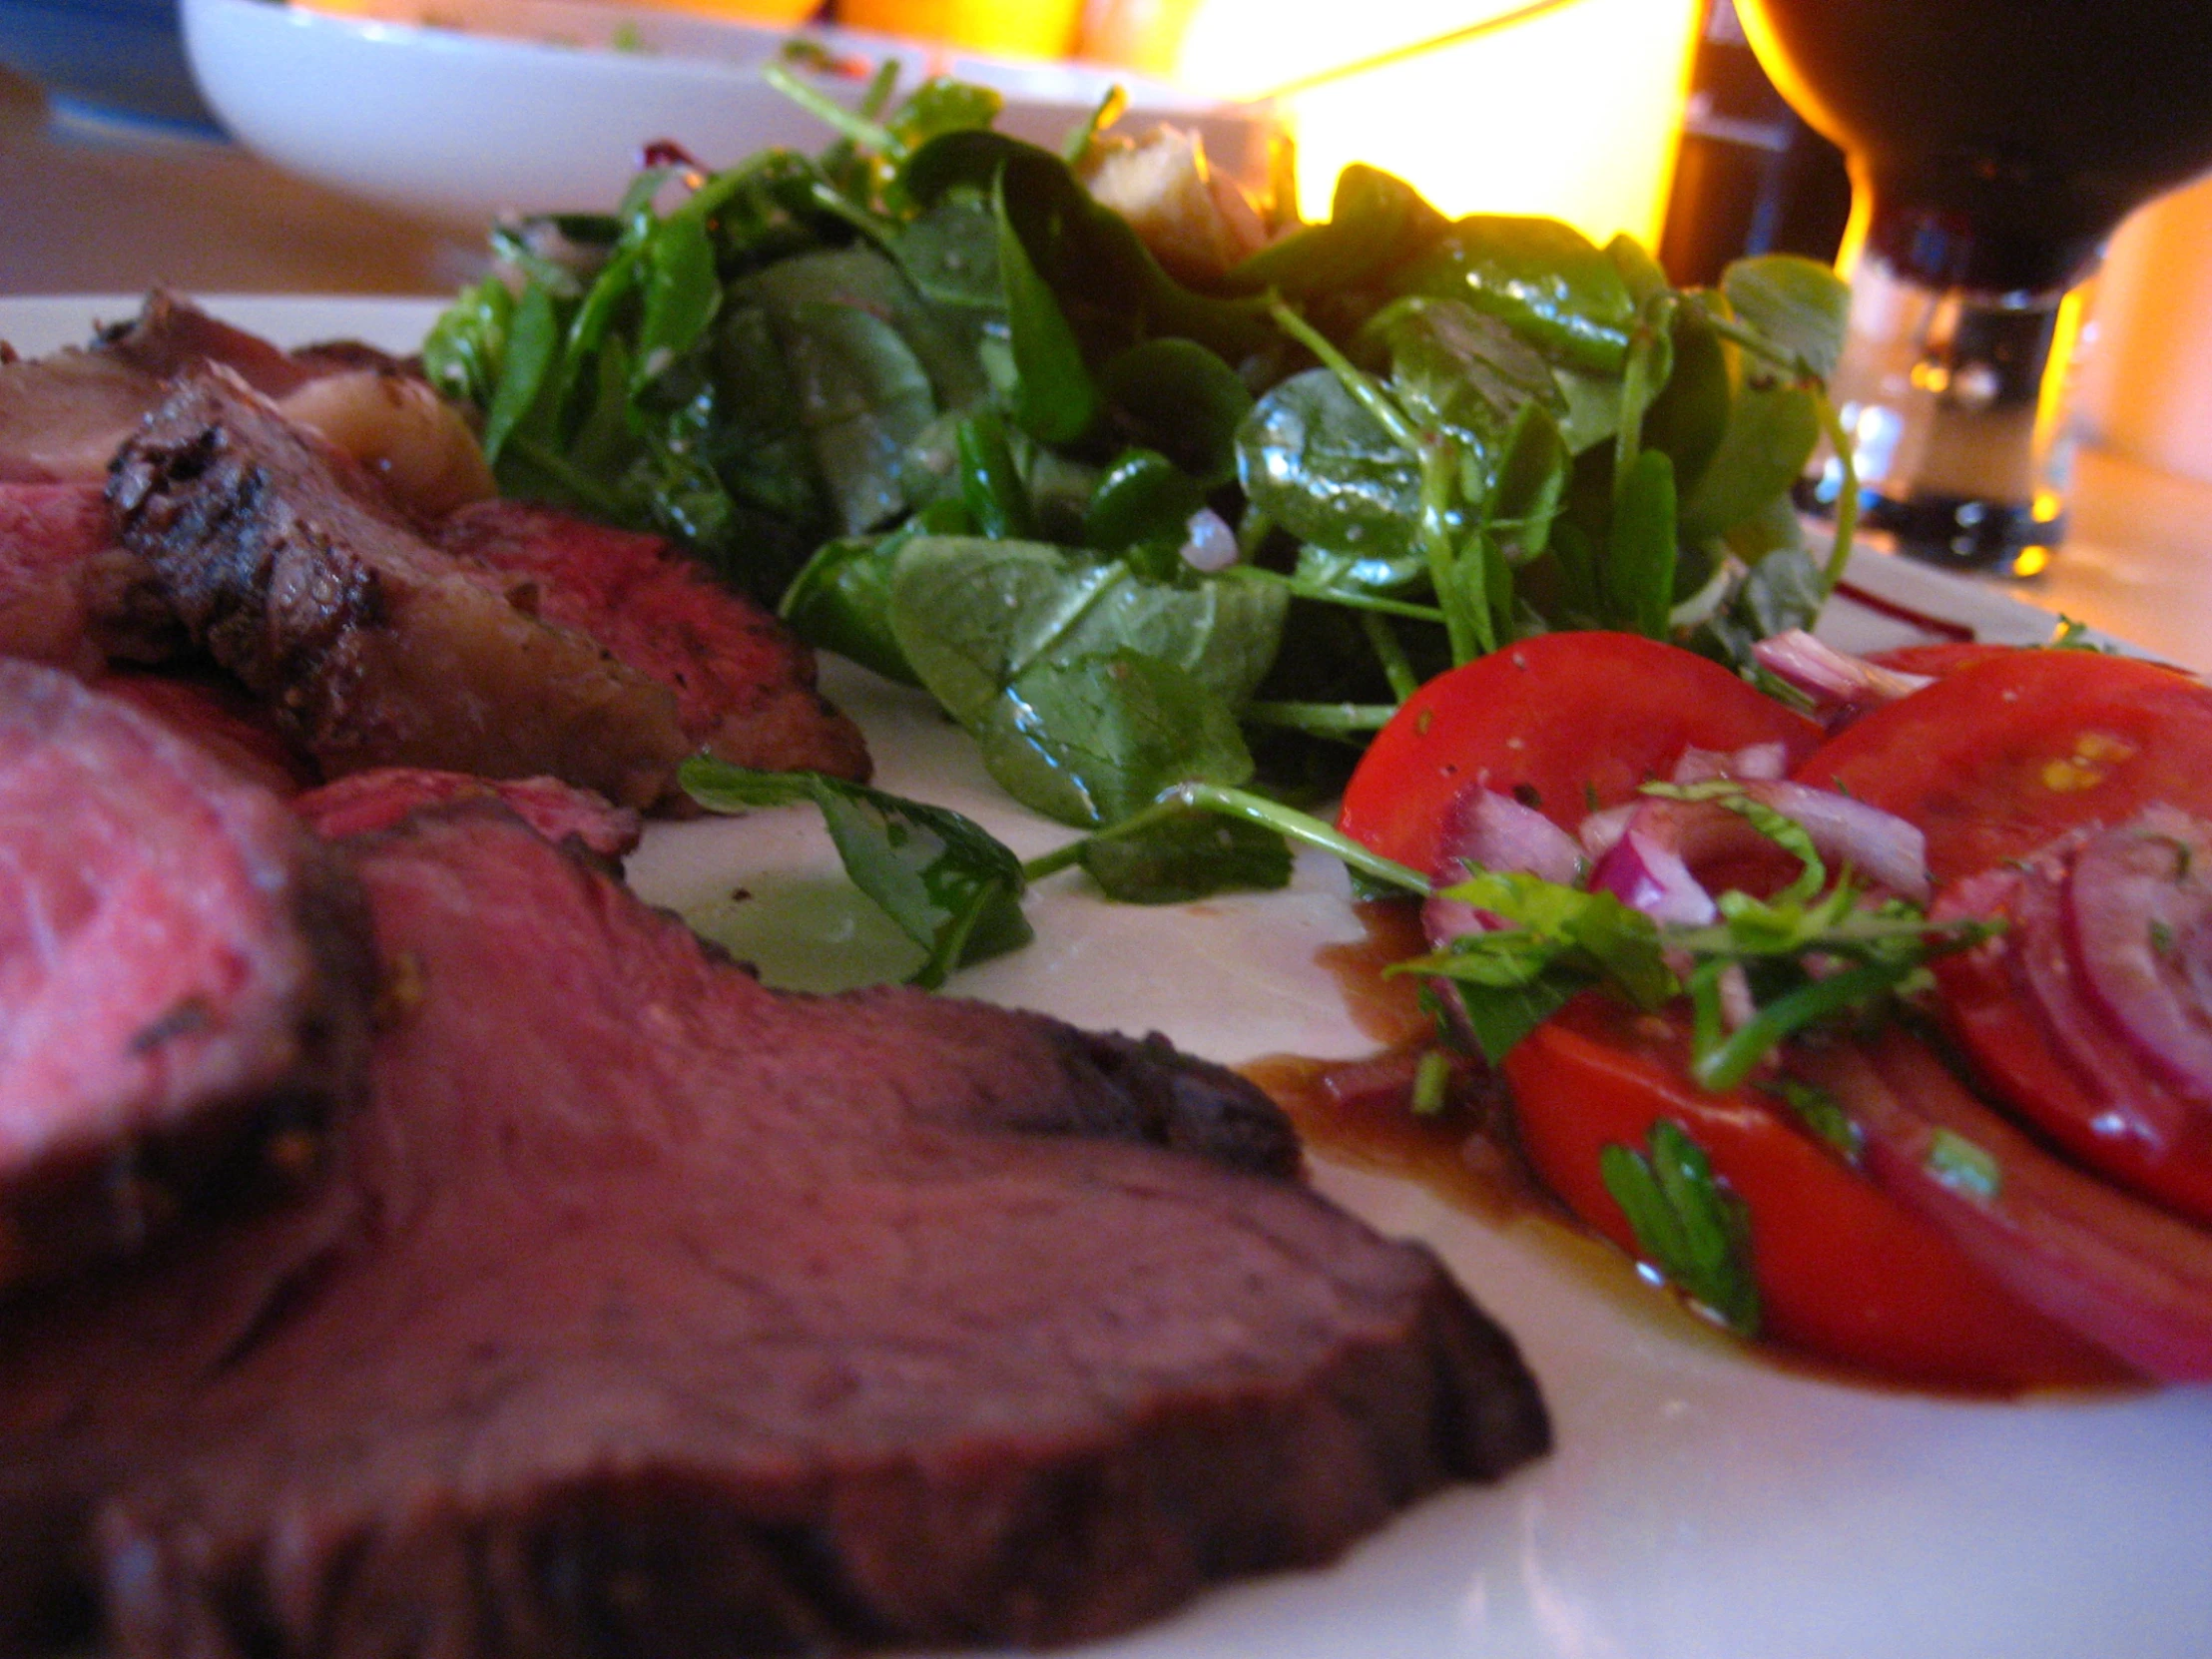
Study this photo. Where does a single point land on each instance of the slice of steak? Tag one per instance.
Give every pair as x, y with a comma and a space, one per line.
657, 1313
744, 685
185, 978
221, 720
371, 800
69, 593
62, 417
376, 648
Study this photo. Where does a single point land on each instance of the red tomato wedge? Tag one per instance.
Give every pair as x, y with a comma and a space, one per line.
1562, 722
2010, 750
1845, 1272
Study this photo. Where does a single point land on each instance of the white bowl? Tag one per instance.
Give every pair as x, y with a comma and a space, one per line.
544, 105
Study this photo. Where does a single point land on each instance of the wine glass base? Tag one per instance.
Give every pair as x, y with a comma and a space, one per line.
1960, 533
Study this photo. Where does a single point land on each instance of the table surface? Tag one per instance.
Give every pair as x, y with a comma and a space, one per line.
94, 209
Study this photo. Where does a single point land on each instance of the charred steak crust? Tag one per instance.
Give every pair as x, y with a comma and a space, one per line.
659, 1314
184, 981
375, 647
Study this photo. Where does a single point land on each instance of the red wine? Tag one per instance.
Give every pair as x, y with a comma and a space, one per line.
2002, 141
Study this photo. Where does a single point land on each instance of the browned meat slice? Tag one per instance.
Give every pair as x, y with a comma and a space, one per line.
62, 417
658, 1314
375, 647
69, 593
221, 720
744, 685
371, 800
185, 977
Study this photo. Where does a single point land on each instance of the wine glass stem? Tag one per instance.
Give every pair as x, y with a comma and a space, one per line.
1956, 402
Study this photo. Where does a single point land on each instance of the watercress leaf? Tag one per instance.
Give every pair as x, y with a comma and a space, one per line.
682, 293
1375, 220
1323, 467
973, 615
1530, 486
1642, 274
840, 601
947, 882
943, 105
526, 367
862, 398
1640, 548
1689, 416
991, 489
1546, 280
1055, 399
1143, 497
463, 352
1091, 740
942, 341
1176, 397
1188, 855
1797, 305
1771, 434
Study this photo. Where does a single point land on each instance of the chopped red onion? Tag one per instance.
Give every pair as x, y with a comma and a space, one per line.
1758, 762
2138, 917
2120, 1272
1839, 685
1881, 847
1208, 542
1645, 872
1494, 832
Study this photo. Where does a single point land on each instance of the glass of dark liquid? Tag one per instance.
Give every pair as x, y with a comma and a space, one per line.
1995, 146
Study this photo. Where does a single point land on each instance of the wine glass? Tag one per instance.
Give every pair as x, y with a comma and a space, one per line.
1995, 146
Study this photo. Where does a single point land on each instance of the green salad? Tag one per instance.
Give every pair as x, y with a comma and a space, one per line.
1168, 535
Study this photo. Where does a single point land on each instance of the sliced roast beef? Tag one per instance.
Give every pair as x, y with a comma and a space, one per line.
657, 1313
69, 593
62, 417
221, 720
371, 800
376, 648
744, 685
185, 978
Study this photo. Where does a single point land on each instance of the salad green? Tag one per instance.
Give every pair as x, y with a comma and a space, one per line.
1133, 529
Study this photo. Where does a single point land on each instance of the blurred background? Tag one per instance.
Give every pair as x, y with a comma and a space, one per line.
119, 167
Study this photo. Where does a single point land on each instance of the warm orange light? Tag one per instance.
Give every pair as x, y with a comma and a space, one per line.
1570, 114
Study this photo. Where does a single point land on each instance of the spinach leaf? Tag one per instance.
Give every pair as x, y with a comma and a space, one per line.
974, 616
1055, 399
1111, 289
1323, 467
1543, 278
1641, 549
1176, 397
1091, 740
950, 886
1375, 222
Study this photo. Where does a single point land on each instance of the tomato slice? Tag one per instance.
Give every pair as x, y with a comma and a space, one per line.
1845, 1273
1562, 722
2017, 1054
2010, 750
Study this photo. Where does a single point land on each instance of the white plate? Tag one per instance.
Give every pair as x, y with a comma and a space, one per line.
461, 110
1701, 1505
